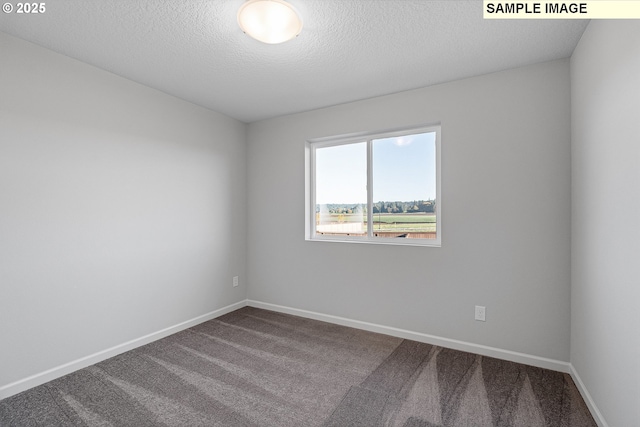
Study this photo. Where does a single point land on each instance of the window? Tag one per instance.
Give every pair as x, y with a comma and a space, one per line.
375, 188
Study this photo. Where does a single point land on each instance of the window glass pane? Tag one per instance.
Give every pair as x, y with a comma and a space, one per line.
404, 186
341, 190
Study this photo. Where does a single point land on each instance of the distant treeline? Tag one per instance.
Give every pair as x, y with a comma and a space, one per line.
416, 206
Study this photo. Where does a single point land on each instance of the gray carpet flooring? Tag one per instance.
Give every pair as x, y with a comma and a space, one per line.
255, 367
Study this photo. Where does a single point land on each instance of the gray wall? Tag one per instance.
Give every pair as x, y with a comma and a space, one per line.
505, 207
121, 210
605, 319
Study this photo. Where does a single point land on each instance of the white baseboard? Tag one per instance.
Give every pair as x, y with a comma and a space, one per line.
59, 371
527, 359
597, 415
498, 353
541, 362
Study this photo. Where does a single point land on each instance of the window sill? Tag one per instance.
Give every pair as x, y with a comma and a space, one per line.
389, 241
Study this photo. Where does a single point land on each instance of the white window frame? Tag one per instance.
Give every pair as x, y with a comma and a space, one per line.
310, 186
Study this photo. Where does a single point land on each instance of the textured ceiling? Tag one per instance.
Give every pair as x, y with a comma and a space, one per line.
348, 49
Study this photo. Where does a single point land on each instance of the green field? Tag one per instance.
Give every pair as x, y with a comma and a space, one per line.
408, 222
404, 218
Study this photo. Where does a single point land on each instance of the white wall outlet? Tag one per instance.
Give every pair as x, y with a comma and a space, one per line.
235, 281
480, 313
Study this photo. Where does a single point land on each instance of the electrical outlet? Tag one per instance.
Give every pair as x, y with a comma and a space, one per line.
480, 313
235, 281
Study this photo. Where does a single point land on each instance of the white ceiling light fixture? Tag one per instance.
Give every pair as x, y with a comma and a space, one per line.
269, 21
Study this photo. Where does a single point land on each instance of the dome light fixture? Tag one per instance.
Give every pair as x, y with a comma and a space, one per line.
269, 21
